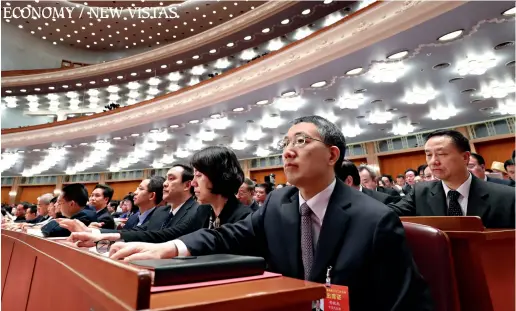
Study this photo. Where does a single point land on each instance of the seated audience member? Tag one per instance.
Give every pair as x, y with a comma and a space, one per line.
348, 173
128, 207
410, 176
112, 209
42, 208
400, 181
147, 197
477, 167
427, 174
31, 213
72, 201
458, 193
368, 180
302, 231
217, 177
21, 210
497, 167
99, 199
421, 170
260, 193
246, 194
52, 208
418, 179
509, 168
388, 183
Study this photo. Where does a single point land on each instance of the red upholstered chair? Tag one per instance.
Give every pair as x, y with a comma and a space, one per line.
432, 253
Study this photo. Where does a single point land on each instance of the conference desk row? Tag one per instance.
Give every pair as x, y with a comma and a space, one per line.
41, 274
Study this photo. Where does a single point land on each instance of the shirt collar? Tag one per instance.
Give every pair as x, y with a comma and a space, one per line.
175, 210
360, 188
142, 217
319, 202
485, 177
463, 189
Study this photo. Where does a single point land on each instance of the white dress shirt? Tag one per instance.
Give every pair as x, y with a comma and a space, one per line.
175, 210
464, 194
318, 204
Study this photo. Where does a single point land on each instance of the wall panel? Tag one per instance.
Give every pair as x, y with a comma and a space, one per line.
5, 194
357, 162
31, 193
495, 150
395, 164
260, 175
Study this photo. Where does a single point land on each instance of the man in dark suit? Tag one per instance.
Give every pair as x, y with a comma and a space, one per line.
99, 199
348, 173
410, 180
477, 167
303, 231
509, 168
457, 192
246, 194
72, 200
389, 186
368, 180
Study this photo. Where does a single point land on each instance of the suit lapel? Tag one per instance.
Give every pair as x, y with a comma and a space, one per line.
182, 211
291, 220
332, 230
478, 204
437, 200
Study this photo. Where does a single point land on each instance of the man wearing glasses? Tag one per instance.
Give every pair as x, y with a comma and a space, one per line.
320, 223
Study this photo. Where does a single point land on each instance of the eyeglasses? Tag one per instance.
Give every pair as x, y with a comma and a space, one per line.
299, 141
103, 246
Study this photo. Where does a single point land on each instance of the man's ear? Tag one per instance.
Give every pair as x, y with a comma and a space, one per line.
334, 155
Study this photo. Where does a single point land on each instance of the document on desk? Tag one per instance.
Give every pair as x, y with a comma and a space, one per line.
183, 270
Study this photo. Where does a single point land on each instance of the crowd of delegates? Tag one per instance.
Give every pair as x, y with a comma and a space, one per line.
331, 212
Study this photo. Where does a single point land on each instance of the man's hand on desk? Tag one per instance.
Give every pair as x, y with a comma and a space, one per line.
96, 225
73, 225
87, 239
139, 250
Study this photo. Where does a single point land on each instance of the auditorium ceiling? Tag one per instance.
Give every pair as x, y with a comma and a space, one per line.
414, 81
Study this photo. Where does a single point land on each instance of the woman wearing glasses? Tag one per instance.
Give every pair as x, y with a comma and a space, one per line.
217, 177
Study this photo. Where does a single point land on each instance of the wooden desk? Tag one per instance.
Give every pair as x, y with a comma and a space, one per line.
40, 274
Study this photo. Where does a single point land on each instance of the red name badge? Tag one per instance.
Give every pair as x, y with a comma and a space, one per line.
337, 299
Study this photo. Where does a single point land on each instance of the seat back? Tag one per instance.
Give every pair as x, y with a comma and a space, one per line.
432, 253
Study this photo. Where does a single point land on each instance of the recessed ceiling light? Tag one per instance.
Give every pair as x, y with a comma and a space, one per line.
83, 144
398, 55
354, 71
8, 91
215, 116
117, 138
135, 134
213, 51
450, 36
318, 84
36, 150
262, 102
247, 38
44, 38
266, 30
78, 84
148, 70
120, 77
193, 121
230, 44
239, 109
92, 82
174, 126
35, 89
288, 93
510, 12
105, 80
65, 86
285, 21
51, 87
327, 1
24, 90
305, 12
195, 57
179, 62
163, 66
133, 74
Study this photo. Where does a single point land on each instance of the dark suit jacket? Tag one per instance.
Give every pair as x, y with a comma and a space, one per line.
38, 219
254, 206
131, 222
492, 202
104, 216
388, 191
20, 219
362, 239
52, 229
500, 181
380, 196
407, 188
199, 218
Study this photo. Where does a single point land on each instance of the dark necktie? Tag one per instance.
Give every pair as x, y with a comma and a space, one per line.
307, 249
454, 206
168, 220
